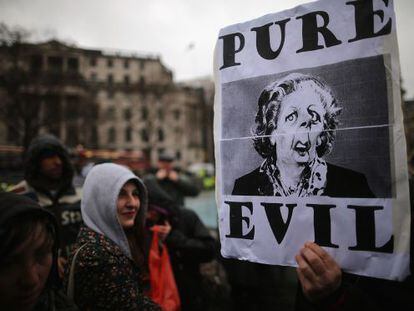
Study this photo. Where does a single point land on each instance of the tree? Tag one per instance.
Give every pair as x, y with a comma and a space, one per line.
42, 88
19, 110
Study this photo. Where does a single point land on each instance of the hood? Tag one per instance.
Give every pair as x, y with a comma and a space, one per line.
98, 205
14, 205
157, 196
38, 147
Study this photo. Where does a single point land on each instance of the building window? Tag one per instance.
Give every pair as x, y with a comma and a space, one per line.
36, 63
126, 80
128, 134
178, 155
73, 64
110, 79
110, 62
160, 135
142, 81
92, 62
126, 64
72, 139
94, 137
144, 135
144, 113
72, 108
12, 135
55, 63
110, 113
160, 114
177, 114
127, 114
94, 77
53, 114
111, 135
142, 65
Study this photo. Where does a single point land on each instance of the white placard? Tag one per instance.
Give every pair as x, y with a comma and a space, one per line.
309, 137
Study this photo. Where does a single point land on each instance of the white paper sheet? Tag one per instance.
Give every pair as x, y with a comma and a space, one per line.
309, 137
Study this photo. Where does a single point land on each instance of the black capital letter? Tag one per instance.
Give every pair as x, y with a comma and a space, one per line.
229, 49
322, 224
365, 230
279, 227
236, 220
263, 39
310, 32
364, 20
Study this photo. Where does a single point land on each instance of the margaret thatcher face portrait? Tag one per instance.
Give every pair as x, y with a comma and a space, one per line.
299, 126
294, 129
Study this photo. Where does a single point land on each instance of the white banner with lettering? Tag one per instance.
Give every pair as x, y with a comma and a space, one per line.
309, 138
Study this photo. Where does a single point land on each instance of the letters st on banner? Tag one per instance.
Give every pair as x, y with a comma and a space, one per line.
309, 138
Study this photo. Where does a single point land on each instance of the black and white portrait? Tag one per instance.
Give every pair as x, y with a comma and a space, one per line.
295, 127
294, 130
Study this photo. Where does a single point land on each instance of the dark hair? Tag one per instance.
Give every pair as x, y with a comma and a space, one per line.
21, 227
138, 231
269, 106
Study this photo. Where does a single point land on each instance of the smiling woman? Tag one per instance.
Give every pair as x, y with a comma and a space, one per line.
127, 205
295, 127
109, 265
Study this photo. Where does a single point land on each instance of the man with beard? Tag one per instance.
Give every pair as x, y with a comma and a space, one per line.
48, 181
295, 127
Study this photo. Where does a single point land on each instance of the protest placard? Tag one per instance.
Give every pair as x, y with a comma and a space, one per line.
309, 137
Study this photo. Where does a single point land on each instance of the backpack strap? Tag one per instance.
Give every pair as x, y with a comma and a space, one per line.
71, 283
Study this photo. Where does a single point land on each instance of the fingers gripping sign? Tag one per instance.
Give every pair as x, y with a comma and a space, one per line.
317, 271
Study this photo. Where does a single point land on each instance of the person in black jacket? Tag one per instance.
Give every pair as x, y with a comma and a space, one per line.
49, 181
189, 244
28, 257
295, 127
172, 182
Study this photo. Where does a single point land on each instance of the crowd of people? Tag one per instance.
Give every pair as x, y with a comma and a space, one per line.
101, 228
68, 248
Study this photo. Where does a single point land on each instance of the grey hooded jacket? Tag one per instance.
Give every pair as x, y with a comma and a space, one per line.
98, 205
105, 273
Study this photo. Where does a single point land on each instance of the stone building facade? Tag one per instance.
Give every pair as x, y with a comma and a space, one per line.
42, 89
110, 101
207, 85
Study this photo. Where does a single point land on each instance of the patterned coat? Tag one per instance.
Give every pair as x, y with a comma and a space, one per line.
106, 279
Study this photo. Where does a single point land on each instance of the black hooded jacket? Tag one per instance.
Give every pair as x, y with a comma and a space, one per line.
38, 148
189, 244
64, 202
12, 206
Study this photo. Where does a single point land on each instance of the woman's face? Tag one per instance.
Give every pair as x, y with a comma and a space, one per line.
24, 272
299, 126
128, 204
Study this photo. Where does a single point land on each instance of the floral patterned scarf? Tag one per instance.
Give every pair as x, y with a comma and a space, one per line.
312, 181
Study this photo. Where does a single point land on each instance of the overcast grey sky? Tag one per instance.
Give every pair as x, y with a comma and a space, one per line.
182, 32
